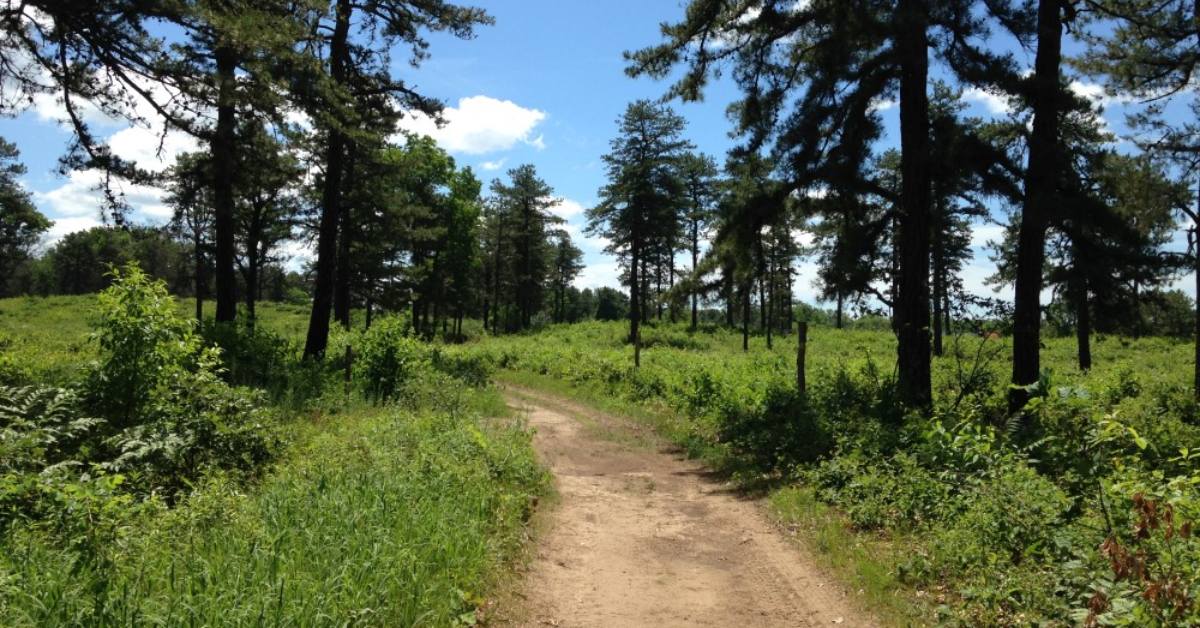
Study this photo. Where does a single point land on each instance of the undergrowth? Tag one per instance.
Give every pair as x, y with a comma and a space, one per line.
207, 476
1077, 511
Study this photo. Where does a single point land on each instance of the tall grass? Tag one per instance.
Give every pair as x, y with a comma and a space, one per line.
384, 517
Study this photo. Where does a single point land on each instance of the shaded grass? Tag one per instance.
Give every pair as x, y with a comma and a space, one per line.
382, 517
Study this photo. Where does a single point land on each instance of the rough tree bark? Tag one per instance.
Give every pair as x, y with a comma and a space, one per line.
327, 232
223, 141
913, 287
1040, 180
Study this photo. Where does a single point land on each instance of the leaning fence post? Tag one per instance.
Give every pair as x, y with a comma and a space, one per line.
801, 348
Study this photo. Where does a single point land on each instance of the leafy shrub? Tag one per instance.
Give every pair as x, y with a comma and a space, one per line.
200, 424
144, 343
470, 368
252, 356
389, 518
164, 416
42, 434
388, 358
890, 493
1009, 518
778, 435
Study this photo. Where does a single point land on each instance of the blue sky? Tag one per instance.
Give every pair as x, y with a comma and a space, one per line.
543, 86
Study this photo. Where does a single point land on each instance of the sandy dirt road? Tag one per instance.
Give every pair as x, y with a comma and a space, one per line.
642, 537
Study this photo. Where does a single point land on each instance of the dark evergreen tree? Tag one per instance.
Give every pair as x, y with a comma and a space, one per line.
21, 224
566, 266
639, 205
361, 37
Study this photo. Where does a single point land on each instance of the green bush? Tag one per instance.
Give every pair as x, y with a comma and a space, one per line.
252, 356
389, 356
778, 435
144, 344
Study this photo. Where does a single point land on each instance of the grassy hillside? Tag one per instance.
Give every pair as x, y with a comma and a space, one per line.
1079, 511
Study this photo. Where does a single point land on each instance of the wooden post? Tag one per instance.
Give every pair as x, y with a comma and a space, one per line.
801, 348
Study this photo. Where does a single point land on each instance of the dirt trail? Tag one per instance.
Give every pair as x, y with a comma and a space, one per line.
645, 538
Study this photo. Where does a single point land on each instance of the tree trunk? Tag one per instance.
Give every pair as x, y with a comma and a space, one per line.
946, 308
1196, 374
801, 350
913, 287
1040, 180
727, 281
671, 285
658, 290
327, 233
201, 277
837, 321
496, 274
252, 264
939, 287
635, 301
342, 280
1196, 269
695, 265
1083, 325
769, 305
746, 292
223, 146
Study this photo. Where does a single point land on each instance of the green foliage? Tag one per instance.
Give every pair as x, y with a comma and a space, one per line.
390, 518
389, 358
183, 502
145, 346
1003, 518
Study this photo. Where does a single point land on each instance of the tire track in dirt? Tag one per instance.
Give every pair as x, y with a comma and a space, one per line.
645, 538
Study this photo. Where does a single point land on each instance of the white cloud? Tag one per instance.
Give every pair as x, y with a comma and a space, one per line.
805, 285
82, 195
882, 104
493, 165
149, 148
803, 237
479, 125
566, 209
296, 254
1096, 93
606, 273
594, 244
994, 103
63, 226
982, 234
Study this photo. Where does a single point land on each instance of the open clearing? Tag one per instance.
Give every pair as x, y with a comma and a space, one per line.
642, 537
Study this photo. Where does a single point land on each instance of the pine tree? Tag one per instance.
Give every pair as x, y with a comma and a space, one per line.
1151, 52
21, 224
812, 75
526, 201
568, 263
639, 205
1041, 176
699, 173
361, 36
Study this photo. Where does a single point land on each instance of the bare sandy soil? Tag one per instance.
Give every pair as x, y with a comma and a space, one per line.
642, 537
